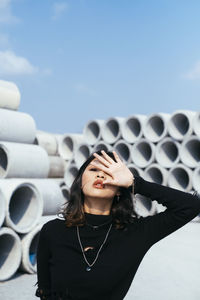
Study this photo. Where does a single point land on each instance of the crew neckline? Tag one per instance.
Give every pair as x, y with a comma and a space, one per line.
97, 219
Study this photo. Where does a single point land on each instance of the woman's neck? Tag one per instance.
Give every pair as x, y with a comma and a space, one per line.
96, 208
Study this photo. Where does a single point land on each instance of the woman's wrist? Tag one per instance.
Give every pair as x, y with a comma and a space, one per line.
131, 185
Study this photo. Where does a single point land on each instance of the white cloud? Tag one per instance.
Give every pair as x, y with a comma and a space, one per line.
194, 73
58, 9
6, 15
11, 64
83, 89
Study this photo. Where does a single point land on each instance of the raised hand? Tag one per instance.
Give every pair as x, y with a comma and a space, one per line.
119, 172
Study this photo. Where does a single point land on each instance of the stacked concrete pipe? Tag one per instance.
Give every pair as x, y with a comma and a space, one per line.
9, 95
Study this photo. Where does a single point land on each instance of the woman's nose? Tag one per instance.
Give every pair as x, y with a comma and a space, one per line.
101, 174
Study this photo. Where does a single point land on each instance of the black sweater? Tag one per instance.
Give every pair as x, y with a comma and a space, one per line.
61, 268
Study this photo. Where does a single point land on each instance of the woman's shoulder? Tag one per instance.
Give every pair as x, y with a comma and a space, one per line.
53, 224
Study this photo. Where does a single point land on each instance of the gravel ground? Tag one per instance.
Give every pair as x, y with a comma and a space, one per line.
169, 271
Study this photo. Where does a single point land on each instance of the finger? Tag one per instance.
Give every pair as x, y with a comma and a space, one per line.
116, 157
107, 157
101, 167
102, 160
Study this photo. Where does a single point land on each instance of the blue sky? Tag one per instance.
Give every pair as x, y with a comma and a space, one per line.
79, 60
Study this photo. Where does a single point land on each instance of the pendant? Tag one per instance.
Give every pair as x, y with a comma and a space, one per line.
88, 269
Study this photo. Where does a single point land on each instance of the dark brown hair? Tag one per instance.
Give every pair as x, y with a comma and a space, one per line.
122, 211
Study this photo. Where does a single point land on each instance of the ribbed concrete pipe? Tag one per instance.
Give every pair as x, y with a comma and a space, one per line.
190, 151
81, 153
111, 130
167, 152
47, 141
135, 170
10, 253
180, 124
196, 179
196, 124
51, 194
9, 95
124, 150
101, 145
155, 127
24, 204
144, 206
29, 243
2, 208
23, 160
57, 166
16, 127
131, 128
180, 177
92, 131
68, 143
143, 153
70, 174
156, 173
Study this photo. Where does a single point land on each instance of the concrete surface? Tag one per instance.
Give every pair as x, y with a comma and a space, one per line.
170, 270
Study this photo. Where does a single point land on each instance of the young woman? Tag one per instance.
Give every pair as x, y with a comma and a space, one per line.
93, 253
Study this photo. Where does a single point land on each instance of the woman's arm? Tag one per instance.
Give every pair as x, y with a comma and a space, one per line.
182, 207
43, 254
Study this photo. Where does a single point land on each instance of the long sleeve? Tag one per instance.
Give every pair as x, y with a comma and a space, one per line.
43, 274
181, 207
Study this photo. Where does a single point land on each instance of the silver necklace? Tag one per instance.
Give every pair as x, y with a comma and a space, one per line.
90, 265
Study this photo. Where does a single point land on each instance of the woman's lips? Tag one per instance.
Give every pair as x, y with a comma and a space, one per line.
98, 186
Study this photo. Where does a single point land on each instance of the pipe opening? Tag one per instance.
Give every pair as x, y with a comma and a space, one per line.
180, 125
144, 152
133, 127
156, 126
155, 175
134, 171
112, 129
92, 132
23, 206
71, 174
100, 146
193, 151
8, 252
33, 250
179, 178
82, 154
168, 152
3, 162
65, 192
124, 151
67, 146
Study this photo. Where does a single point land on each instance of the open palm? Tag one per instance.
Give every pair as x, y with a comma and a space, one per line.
119, 172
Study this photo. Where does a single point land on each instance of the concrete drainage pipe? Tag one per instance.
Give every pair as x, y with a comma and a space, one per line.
156, 173
196, 179
81, 154
92, 131
196, 124
135, 170
124, 150
143, 153
47, 141
24, 204
167, 152
23, 160
180, 124
131, 128
2, 207
68, 143
155, 127
180, 177
16, 127
70, 174
101, 145
51, 194
9, 95
10, 253
111, 130
190, 151
57, 167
